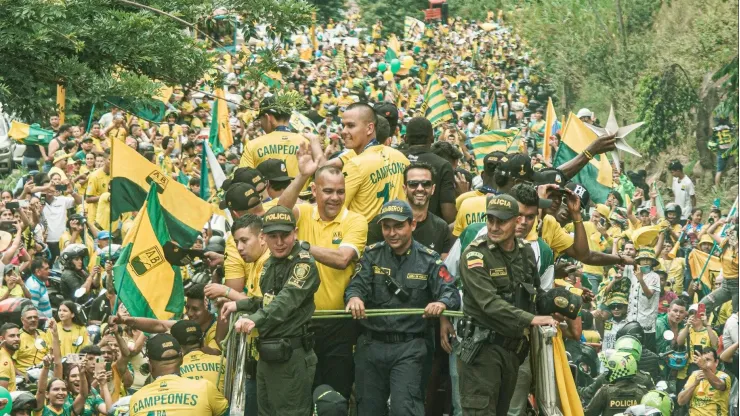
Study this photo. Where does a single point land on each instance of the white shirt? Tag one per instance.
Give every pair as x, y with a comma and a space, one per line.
55, 213
729, 335
683, 190
642, 309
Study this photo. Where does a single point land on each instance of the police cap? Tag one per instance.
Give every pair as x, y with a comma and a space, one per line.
503, 207
278, 218
559, 300
395, 210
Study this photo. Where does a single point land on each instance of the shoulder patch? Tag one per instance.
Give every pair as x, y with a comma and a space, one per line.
479, 241
304, 255
474, 255
375, 245
299, 275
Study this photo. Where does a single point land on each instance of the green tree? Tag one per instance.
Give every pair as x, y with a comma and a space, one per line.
326, 9
391, 13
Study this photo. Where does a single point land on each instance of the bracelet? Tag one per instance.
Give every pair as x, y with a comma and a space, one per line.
588, 154
228, 290
577, 222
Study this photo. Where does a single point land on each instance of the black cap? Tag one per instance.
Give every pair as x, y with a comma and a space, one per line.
159, 346
267, 106
274, 170
581, 191
250, 176
395, 210
675, 165
389, 111
559, 300
419, 127
327, 402
503, 207
187, 332
87, 139
278, 218
549, 176
240, 197
519, 166
493, 160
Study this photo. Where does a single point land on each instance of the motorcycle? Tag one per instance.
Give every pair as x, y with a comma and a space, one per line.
54, 289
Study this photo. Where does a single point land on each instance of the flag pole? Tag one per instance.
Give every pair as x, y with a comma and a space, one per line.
89, 121
714, 245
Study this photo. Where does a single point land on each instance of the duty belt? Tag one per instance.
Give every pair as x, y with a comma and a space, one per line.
393, 337
295, 342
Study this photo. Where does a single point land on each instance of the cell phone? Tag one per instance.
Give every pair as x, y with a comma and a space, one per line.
701, 310
108, 366
23, 204
100, 364
602, 221
60, 188
73, 358
12, 205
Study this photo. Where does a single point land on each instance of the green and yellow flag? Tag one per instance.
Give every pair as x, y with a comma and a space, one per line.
506, 141
393, 50
596, 176
697, 259
436, 108
551, 121
131, 177
30, 135
490, 120
146, 283
413, 29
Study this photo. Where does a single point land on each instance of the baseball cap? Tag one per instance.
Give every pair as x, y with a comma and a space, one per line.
503, 207
247, 175
519, 166
267, 106
104, 235
675, 165
420, 127
549, 176
161, 346
240, 197
328, 402
389, 111
87, 139
186, 332
492, 160
274, 170
278, 218
395, 210
581, 192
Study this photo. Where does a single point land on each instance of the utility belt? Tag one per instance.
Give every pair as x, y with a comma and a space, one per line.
279, 350
475, 336
392, 338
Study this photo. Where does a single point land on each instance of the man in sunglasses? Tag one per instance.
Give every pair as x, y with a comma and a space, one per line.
617, 304
431, 230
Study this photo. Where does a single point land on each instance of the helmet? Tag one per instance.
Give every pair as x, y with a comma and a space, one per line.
73, 251
672, 207
641, 410
23, 400
659, 400
584, 112
632, 328
630, 344
620, 365
216, 244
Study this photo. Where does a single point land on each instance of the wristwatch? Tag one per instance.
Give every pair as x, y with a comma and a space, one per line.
305, 245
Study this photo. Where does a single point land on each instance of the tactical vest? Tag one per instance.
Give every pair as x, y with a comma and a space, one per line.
619, 397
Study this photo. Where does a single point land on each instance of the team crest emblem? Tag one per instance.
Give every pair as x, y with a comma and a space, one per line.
336, 237
147, 260
159, 179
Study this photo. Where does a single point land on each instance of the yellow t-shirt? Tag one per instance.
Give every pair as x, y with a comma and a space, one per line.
197, 365
271, 203
698, 339
282, 145
472, 210
164, 130
173, 395
98, 143
595, 243
102, 212
16, 292
7, 369
729, 262
459, 200
68, 339
708, 401
348, 229
209, 340
555, 236
97, 184
117, 133
373, 178
27, 354
674, 268
236, 268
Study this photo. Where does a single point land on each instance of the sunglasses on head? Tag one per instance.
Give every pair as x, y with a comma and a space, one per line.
415, 184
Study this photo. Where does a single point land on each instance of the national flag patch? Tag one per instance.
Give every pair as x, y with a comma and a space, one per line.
475, 263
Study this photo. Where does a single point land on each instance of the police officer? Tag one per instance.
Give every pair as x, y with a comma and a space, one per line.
288, 282
499, 277
170, 394
623, 389
391, 351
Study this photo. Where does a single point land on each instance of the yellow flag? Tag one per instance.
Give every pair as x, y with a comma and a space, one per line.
550, 119
224, 128
61, 97
697, 259
570, 402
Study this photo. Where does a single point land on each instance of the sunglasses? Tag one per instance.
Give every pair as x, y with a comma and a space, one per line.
415, 184
617, 306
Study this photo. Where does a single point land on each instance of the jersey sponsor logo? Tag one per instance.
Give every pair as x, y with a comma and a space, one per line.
147, 260
336, 237
185, 399
417, 276
474, 254
475, 263
473, 217
499, 271
159, 179
395, 168
608, 326
622, 403
381, 270
200, 367
277, 149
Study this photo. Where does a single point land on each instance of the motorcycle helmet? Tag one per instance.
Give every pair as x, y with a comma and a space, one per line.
23, 400
632, 328
641, 410
216, 244
672, 207
589, 360
621, 365
659, 400
73, 251
630, 344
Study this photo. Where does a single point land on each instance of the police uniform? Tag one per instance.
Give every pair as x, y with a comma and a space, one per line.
391, 351
171, 394
287, 363
615, 398
642, 378
498, 288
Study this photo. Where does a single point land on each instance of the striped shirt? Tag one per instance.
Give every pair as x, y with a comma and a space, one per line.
39, 295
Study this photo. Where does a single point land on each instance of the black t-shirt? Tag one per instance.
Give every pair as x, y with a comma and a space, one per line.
100, 308
433, 232
444, 181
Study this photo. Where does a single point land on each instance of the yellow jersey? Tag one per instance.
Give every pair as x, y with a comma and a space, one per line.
555, 236
72, 340
282, 145
459, 200
729, 261
28, 355
373, 178
7, 369
696, 340
164, 130
708, 401
209, 339
173, 395
102, 212
236, 268
595, 243
472, 210
197, 365
16, 292
674, 268
97, 184
348, 229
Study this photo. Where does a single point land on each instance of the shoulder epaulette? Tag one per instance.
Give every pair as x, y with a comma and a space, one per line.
375, 245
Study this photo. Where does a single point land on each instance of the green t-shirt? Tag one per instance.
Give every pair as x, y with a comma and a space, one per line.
93, 401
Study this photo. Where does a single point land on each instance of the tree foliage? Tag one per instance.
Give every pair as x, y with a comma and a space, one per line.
391, 13
326, 9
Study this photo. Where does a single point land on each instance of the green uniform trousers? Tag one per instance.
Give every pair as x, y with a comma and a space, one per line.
487, 384
284, 389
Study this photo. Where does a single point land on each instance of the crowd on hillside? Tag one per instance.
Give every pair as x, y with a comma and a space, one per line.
365, 205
